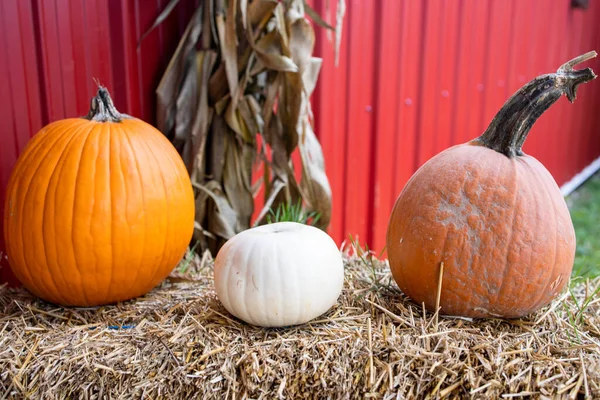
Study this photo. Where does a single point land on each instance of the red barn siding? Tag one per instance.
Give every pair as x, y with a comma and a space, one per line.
414, 77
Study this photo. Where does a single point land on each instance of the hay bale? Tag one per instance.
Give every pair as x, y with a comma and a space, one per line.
179, 342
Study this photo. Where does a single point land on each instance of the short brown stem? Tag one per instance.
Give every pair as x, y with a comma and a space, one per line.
102, 108
509, 128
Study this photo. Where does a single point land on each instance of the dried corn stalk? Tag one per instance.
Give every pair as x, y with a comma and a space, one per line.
244, 68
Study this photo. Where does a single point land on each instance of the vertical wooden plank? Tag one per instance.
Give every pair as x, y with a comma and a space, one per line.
8, 149
51, 61
118, 23
87, 26
361, 20
66, 57
97, 17
330, 117
448, 62
459, 118
561, 110
131, 58
389, 69
428, 99
578, 34
29, 67
21, 77
468, 119
437, 77
537, 43
412, 39
520, 57
499, 44
479, 62
548, 63
147, 56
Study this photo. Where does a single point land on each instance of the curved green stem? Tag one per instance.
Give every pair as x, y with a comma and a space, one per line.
509, 128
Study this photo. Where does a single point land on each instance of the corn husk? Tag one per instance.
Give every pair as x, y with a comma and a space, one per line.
235, 99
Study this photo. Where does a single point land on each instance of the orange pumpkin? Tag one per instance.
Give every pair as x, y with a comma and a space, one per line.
99, 209
491, 216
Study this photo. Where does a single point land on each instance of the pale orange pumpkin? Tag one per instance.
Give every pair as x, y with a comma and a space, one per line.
491, 215
98, 209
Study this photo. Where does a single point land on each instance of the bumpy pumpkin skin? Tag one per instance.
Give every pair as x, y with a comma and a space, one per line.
97, 212
500, 226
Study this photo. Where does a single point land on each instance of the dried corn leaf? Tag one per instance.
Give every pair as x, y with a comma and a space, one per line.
281, 28
233, 120
274, 136
259, 10
277, 187
339, 22
290, 103
168, 87
201, 212
228, 41
253, 73
199, 142
266, 177
294, 11
207, 21
223, 219
237, 180
216, 153
222, 104
160, 19
256, 65
316, 17
251, 118
311, 74
314, 179
203, 116
302, 42
272, 89
186, 104
268, 50
217, 86
244, 12
255, 109
276, 62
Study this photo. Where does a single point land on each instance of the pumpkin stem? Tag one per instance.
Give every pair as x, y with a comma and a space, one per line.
509, 128
102, 108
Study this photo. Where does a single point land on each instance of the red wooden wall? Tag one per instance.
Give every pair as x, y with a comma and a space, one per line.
415, 76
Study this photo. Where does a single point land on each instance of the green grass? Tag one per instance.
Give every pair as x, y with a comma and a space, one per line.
293, 213
584, 205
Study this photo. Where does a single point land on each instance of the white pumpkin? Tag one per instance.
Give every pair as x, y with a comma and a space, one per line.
280, 274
